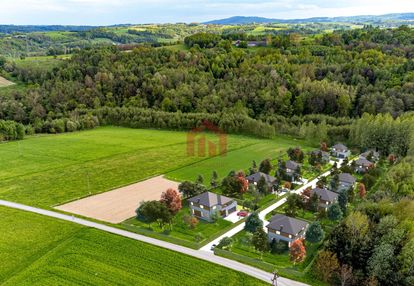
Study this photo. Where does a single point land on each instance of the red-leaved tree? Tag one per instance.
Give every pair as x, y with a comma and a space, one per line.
362, 190
287, 185
324, 146
307, 193
297, 251
244, 184
392, 158
172, 199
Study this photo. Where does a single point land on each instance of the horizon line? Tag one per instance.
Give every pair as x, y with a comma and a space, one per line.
203, 22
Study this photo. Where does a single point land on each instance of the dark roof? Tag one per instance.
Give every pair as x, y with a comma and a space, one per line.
256, 177
374, 153
292, 165
347, 178
287, 224
325, 194
340, 147
209, 199
317, 152
363, 162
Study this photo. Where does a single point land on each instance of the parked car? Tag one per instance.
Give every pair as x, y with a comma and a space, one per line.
213, 246
243, 213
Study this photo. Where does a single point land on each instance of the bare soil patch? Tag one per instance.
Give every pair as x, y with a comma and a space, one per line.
4, 82
120, 204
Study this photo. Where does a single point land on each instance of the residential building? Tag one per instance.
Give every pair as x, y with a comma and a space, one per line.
252, 43
326, 197
270, 180
205, 205
362, 165
282, 227
345, 182
292, 169
324, 156
340, 151
371, 155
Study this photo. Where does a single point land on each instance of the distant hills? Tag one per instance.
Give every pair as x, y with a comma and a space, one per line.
240, 20
8, 29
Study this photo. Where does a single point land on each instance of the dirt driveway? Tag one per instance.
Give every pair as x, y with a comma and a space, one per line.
118, 205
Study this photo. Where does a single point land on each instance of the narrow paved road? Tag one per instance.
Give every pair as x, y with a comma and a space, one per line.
254, 272
262, 214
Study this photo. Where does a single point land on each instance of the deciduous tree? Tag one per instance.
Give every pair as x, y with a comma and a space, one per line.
253, 222
361, 190
265, 166
260, 241
172, 199
334, 212
314, 233
293, 204
297, 251
326, 265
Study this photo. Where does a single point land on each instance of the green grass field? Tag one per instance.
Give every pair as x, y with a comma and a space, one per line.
239, 159
41, 62
36, 250
52, 169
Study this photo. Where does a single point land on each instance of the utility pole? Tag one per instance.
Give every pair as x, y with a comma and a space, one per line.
274, 279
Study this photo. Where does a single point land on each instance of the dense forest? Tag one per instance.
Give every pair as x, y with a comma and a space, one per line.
343, 74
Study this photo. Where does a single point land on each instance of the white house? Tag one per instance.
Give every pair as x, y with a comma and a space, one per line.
205, 205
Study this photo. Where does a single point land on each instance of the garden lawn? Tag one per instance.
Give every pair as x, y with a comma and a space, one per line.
37, 250
49, 170
243, 251
203, 232
306, 215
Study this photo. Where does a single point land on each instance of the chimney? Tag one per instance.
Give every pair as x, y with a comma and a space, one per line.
281, 227
218, 199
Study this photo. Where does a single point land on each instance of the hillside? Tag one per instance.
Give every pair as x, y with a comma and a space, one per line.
400, 18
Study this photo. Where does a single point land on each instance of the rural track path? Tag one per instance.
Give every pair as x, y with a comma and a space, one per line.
204, 255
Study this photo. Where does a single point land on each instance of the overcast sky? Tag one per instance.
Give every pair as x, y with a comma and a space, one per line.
106, 12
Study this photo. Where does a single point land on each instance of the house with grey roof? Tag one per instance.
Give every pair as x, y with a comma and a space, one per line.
371, 155
284, 228
362, 165
292, 169
340, 151
270, 180
326, 197
252, 43
324, 156
205, 205
345, 182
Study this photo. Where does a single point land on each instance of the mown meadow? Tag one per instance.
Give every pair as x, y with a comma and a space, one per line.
37, 250
49, 170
